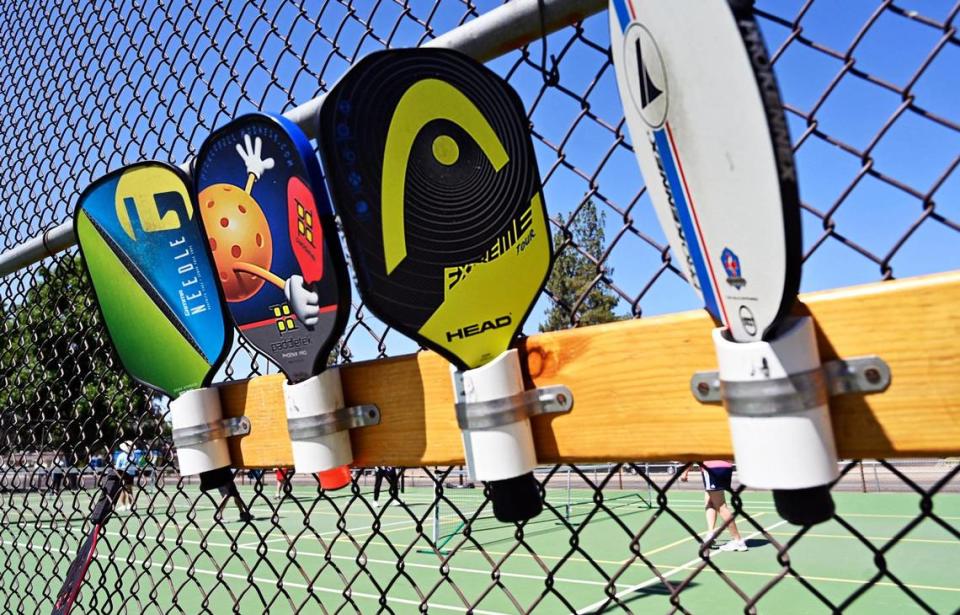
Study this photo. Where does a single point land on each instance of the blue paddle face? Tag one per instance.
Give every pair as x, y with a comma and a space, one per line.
271, 229
153, 276
708, 130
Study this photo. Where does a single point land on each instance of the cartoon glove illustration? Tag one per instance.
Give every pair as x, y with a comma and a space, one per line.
250, 153
305, 303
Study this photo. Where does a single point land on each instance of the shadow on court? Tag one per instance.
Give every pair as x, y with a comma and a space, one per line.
653, 591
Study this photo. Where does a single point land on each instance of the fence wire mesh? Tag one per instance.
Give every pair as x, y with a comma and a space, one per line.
870, 92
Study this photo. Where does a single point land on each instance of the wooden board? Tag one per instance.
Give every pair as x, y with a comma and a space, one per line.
631, 383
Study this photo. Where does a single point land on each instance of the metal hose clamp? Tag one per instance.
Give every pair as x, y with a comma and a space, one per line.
797, 392
308, 427
514, 408
208, 432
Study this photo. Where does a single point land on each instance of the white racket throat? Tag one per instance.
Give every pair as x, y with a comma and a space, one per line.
494, 411
319, 423
790, 446
316, 397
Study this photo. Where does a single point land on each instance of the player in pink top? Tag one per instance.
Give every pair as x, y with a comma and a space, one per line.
717, 475
282, 474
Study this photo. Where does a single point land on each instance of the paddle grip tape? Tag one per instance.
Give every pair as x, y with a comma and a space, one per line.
514, 408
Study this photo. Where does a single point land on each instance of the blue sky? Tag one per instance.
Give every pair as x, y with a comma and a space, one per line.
119, 87
874, 215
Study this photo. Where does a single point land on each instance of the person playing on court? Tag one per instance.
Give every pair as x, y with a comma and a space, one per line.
131, 472
379, 473
282, 474
229, 492
58, 469
717, 475
121, 463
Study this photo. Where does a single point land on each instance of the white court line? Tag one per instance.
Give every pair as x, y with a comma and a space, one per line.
199, 529
405, 519
808, 577
353, 558
357, 532
274, 582
657, 580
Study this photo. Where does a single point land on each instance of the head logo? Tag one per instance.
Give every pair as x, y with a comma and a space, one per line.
646, 75
479, 327
423, 102
731, 264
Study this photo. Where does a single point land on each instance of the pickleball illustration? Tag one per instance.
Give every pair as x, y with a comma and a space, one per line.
240, 237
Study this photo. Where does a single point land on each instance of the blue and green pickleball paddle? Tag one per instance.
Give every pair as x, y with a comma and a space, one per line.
155, 285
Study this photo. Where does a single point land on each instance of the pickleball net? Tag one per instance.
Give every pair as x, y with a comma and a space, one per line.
88, 87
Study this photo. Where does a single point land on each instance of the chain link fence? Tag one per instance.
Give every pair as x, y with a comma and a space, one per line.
870, 90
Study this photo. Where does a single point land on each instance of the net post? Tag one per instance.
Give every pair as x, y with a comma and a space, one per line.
437, 516
646, 470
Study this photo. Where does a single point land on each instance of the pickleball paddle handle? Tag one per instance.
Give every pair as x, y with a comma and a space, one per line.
776, 398
502, 455
315, 401
516, 499
808, 506
193, 411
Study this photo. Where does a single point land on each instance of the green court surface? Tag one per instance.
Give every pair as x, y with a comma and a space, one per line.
299, 553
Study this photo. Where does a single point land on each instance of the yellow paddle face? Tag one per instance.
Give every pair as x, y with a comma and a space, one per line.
432, 171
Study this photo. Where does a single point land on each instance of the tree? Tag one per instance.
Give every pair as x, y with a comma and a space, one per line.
580, 296
61, 386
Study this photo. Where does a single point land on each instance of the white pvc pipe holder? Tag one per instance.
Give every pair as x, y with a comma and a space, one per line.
502, 452
321, 394
193, 408
782, 451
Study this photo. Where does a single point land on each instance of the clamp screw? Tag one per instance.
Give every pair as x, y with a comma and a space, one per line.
703, 388
872, 375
